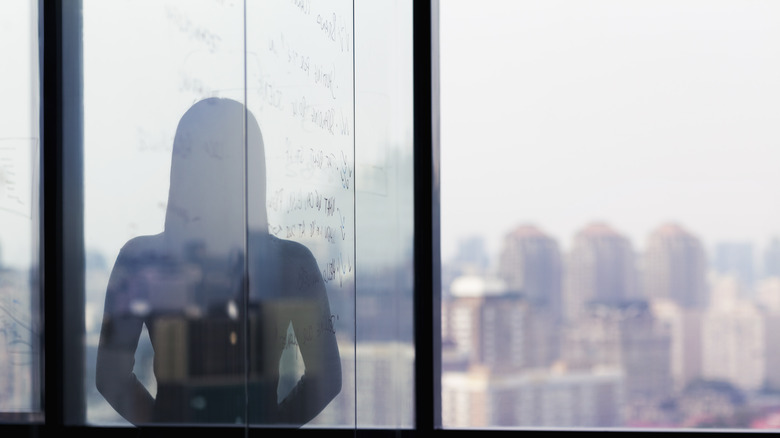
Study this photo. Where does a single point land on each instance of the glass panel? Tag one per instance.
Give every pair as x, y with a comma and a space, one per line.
220, 268
609, 223
164, 211
299, 59
20, 330
384, 212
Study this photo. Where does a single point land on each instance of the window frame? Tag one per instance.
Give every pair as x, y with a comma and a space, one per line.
62, 275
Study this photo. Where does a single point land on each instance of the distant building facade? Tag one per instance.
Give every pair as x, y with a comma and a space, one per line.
530, 263
600, 267
535, 398
685, 332
771, 267
675, 267
733, 338
495, 328
628, 337
736, 259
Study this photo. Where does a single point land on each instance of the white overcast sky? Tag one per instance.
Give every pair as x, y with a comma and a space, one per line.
559, 113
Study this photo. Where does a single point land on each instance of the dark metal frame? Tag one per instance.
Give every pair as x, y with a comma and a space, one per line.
426, 218
62, 209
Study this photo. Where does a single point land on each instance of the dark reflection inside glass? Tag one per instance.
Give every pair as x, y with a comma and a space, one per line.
217, 293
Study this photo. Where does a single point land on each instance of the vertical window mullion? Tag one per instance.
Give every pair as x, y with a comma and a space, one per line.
426, 224
62, 213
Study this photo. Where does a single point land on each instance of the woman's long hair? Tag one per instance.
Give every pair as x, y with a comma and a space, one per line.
218, 179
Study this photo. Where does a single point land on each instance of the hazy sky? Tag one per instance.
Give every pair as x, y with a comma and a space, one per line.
559, 113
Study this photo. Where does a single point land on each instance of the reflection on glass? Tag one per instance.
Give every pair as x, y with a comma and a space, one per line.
611, 260
217, 340
20, 367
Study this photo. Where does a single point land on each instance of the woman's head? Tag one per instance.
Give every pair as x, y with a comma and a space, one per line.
217, 186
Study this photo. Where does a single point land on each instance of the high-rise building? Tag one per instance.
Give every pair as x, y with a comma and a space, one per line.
628, 337
530, 264
471, 255
17, 351
736, 259
733, 337
772, 259
470, 258
771, 350
599, 269
675, 267
768, 294
496, 328
533, 398
382, 365
684, 326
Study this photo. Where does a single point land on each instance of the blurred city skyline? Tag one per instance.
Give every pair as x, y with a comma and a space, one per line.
605, 335
491, 253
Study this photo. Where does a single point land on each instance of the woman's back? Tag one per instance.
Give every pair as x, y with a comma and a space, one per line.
217, 293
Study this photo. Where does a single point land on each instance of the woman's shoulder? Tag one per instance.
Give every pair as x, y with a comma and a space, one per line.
141, 248
286, 261
280, 269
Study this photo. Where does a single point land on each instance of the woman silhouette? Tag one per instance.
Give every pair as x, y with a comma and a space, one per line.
217, 293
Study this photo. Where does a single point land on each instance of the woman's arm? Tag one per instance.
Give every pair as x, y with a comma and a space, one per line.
119, 336
314, 330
